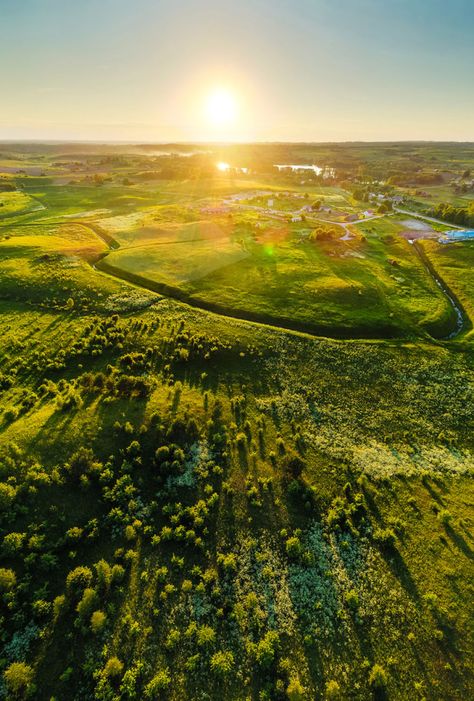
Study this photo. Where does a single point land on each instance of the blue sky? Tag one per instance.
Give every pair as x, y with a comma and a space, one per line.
298, 70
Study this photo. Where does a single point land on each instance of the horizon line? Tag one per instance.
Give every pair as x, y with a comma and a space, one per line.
127, 142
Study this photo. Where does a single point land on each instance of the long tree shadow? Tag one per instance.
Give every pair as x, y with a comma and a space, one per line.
399, 569
459, 542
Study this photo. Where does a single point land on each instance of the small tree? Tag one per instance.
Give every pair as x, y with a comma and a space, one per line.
87, 603
18, 679
113, 668
293, 547
378, 677
333, 690
7, 496
78, 579
160, 682
295, 690
7, 579
98, 620
222, 663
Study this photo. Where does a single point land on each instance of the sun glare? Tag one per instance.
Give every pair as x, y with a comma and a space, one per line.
223, 167
221, 108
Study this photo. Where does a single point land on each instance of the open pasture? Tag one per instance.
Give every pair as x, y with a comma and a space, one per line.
281, 276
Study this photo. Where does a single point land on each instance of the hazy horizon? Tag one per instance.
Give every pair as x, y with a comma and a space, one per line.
301, 72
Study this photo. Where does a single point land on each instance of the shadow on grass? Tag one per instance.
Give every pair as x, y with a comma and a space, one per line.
458, 540
399, 569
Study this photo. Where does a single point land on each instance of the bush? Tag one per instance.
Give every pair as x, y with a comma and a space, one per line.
98, 620
7, 579
87, 603
159, 683
227, 562
333, 690
104, 574
295, 690
78, 579
293, 547
7, 496
445, 517
18, 679
222, 663
82, 462
266, 649
205, 635
385, 537
378, 677
113, 668
352, 599
58, 605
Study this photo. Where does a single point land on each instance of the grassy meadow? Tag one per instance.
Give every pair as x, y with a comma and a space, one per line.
195, 505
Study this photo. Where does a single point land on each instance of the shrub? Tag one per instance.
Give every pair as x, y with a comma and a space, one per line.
87, 603
227, 562
295, 690
205, 635
18, 679
78, 579
130, 532
104, 574
159, 683
333, 690
7, 579
385, 537
82, 462
222, 663
293, 547
352, 599
7, 496
113, 668
378, 677
445, 517
58, 605
98, 620
118, 573
266, 649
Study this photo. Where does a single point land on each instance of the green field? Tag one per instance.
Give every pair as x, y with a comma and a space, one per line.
197, 506
372, 287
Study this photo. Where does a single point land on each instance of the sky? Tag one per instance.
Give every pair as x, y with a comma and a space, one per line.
292, 70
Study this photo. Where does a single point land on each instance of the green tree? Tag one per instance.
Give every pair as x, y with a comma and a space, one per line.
295, 690
7, 579
78, 579
7, 496
87, 603
19, 679
333, 690
222, 663
113, 668
160, 682
378, 677
98, 620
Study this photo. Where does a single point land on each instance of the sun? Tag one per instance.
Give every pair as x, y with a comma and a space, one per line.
221, 107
